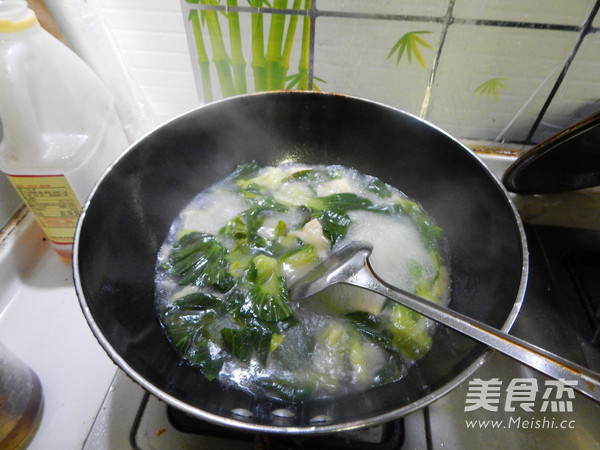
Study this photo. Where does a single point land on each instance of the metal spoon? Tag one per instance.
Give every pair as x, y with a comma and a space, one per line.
350, 265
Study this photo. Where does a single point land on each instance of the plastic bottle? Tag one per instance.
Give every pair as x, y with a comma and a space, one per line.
60, 128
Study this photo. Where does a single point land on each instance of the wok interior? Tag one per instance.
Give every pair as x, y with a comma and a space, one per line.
129, 215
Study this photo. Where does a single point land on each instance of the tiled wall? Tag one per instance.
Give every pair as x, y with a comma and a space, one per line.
544, 56
151, 37
504, 70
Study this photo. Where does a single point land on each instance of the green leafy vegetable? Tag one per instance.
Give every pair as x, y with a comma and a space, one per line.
270, 178
332, 212
198, 259
335, 224
276, 341
380, 188
261, 200
244, 171
190, 332
333, 336
244, 226
357, 359
430, 232
409, 334
281, 229
268, 296
244, 230
266, 327
431, 285
345, 201
300, 257
293, 389
198, 301
236, 308
309, 175
372, 328
239, 258
246, 343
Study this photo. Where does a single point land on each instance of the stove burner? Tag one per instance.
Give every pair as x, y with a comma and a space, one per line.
388, 436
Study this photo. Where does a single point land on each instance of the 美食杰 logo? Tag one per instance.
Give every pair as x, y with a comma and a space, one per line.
519, 396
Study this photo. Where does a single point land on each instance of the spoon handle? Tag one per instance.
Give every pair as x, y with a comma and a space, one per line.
588, 382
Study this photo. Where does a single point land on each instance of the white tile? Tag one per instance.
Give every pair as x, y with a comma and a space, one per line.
172, 94
352, 56
152, 40
435, 8
145, 20
148, 59
571, 12
142, 5
525, 61
579, 94
156, 77
158, 41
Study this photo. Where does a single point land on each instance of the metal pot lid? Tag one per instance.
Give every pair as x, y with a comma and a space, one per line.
568, 160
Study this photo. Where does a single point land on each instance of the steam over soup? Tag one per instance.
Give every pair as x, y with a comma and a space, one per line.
223, 274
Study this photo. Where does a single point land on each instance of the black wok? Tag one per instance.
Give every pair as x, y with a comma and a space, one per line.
128, 215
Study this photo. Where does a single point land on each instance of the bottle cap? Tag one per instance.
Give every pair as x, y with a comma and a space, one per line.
15, 16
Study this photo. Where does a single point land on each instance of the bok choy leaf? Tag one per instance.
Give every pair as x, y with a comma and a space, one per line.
199, 260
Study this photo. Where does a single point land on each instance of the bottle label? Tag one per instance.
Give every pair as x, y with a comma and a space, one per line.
53, 203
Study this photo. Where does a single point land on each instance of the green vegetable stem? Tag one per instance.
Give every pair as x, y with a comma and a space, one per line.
300, 257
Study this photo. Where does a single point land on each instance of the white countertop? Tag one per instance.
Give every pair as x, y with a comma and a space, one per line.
42, 323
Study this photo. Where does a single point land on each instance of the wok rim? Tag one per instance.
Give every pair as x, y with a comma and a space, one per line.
240, 424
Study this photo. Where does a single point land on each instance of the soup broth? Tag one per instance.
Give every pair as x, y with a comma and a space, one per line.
223, 274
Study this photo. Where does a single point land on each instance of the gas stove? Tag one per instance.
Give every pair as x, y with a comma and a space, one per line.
91, 404
560, 312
